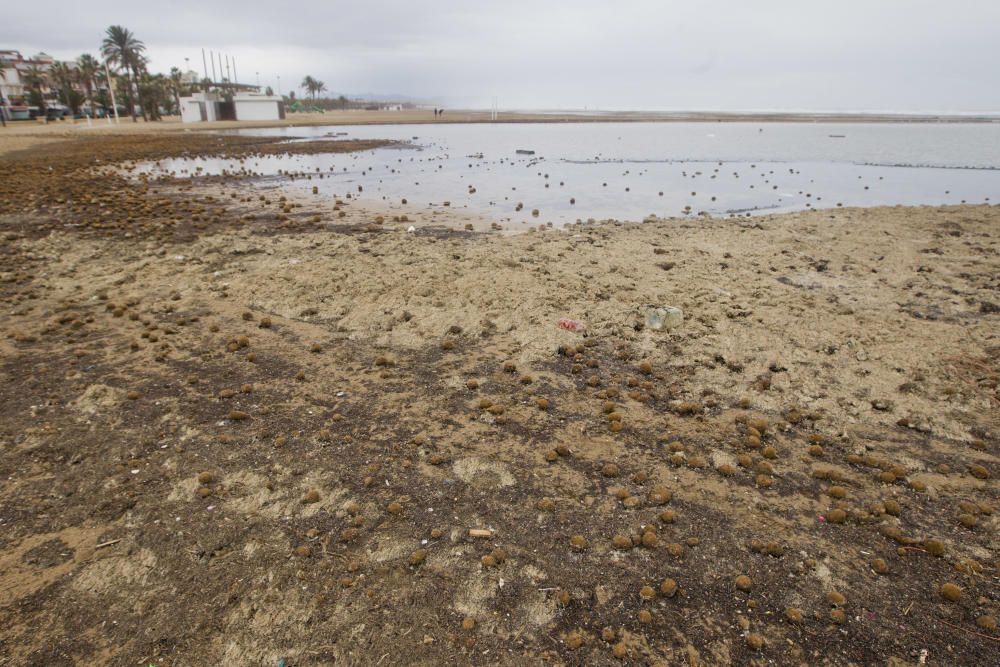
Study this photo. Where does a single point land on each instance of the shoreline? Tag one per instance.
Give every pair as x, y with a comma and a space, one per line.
24, 134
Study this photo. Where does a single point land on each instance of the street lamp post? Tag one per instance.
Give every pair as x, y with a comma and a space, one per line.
111, 89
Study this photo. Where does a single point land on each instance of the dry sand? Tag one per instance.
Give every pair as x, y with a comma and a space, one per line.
178, 379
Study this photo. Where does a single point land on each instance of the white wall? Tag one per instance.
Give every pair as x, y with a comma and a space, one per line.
190, 110
257, 109
191, 107
12, 86
248, 107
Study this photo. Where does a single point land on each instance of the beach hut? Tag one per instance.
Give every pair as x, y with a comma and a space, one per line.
213, 105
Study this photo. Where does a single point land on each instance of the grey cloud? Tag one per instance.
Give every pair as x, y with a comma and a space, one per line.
719, 54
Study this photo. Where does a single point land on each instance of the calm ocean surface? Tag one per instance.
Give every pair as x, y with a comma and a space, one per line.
631, 170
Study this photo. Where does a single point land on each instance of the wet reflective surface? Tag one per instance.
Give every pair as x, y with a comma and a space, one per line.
631, 170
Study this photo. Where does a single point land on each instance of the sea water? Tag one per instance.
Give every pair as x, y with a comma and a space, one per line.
632, 170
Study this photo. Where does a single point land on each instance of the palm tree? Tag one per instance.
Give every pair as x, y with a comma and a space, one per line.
122, 90
88, 70
139, 70
36, 77
308, 84
313, 86
121, 49
154, 92
3, 103
176, 77
64, 77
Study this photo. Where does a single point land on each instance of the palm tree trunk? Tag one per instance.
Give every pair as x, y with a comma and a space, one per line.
131, 99
90, 100
41, 99
138, 97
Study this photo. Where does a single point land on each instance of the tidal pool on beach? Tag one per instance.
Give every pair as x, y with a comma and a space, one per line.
629, 171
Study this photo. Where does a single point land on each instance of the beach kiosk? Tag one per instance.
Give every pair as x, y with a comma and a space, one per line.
211, 105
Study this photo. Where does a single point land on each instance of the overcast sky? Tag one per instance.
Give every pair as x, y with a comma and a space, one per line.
903, 55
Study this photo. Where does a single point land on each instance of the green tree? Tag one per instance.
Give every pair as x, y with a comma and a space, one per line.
176, 80
102, 98
36, 77
154, 93
123, 92
312, 86
64, 76
88, 70
36, 99
3, 102
308, 84
121, 49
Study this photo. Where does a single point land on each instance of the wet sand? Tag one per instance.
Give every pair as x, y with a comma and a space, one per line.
251, 426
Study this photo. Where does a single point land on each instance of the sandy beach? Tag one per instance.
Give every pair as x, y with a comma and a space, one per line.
252, 426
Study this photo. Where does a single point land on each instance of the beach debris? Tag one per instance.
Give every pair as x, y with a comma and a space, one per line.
663, 318
987, 622
572, 325
951, 592
524, 151
411, 229
480, 532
